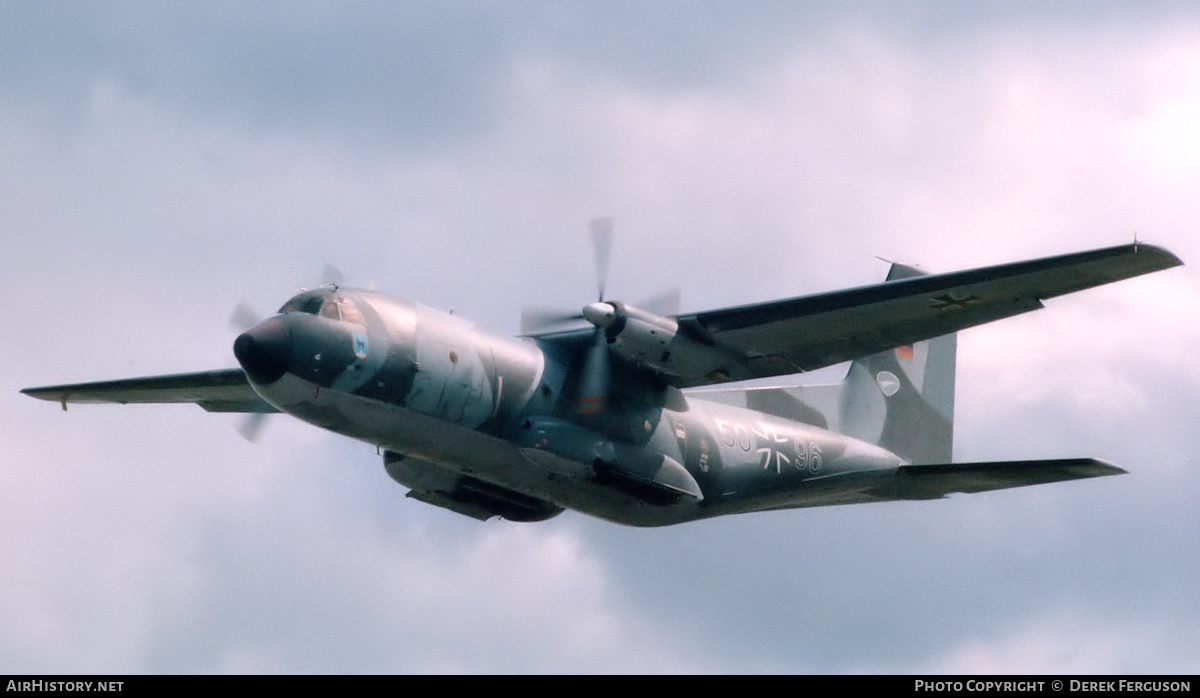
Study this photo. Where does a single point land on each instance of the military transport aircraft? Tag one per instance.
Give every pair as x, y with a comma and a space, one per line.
636, 416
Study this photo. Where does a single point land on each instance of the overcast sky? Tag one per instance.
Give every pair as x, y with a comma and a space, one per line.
161, 162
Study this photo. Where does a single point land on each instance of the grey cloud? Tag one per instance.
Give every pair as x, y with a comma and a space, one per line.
416, 77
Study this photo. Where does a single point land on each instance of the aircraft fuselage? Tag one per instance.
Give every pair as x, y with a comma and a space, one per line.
488, 419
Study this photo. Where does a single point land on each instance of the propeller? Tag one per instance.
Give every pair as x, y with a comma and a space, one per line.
243, 318
250, 426
594, 379
537, 320
664, 303
596, 368
332, 276
602, 234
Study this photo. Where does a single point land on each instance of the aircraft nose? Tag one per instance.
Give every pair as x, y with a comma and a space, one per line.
264, 351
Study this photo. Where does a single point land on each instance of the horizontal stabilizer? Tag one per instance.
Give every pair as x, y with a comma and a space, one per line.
936, 481
215, 391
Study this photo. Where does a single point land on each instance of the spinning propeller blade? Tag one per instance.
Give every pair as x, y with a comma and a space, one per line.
537, 320
251, 426
594, 377
602, 234
664, 303
244, 317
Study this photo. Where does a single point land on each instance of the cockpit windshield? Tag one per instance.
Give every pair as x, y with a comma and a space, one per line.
330, 306
304, 303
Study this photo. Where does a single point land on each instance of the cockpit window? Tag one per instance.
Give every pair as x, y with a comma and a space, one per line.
303, 304
332, 307
350, 312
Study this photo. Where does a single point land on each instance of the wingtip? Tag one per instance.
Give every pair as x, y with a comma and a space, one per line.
1100, 468
38, 393
1165, 258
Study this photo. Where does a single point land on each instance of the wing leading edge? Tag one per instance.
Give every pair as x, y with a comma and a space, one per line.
216, 391
810, 332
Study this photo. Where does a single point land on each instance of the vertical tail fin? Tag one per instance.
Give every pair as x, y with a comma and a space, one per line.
903, 399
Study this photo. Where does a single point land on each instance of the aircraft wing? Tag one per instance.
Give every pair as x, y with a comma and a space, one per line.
810, 332
216, 391
936, 481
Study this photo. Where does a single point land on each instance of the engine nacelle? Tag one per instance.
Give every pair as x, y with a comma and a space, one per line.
654, 341
633, 333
